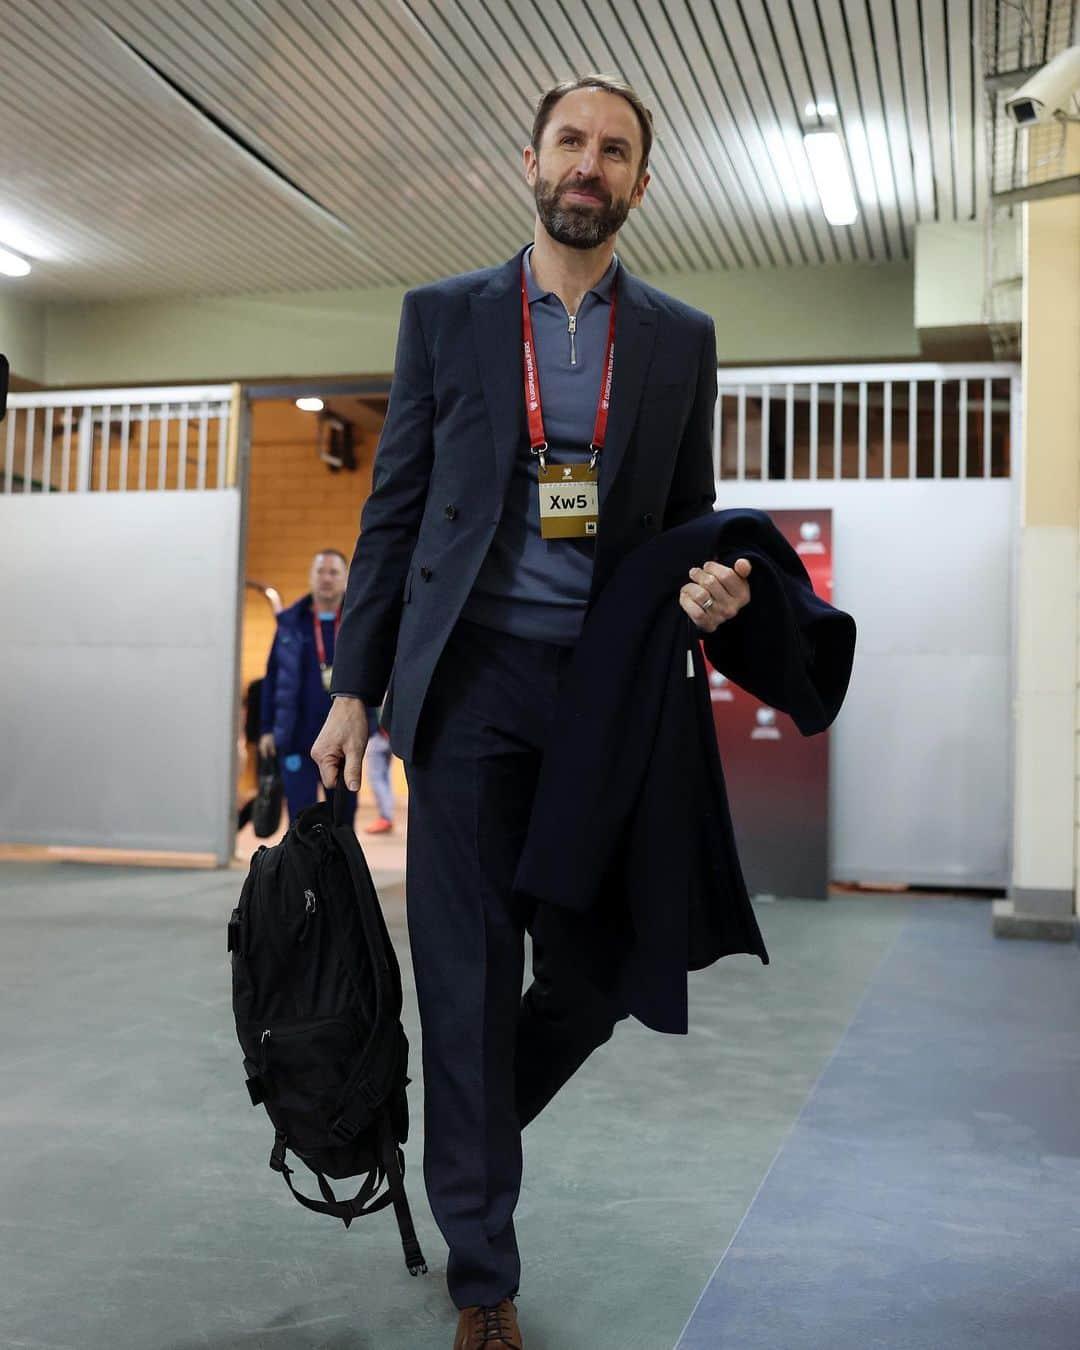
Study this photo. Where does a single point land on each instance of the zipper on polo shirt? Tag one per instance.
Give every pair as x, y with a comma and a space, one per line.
572, 329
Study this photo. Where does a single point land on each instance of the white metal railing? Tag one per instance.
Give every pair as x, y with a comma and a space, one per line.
865, 421
182, 438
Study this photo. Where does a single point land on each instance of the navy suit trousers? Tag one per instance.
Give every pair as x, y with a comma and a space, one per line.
492, 1057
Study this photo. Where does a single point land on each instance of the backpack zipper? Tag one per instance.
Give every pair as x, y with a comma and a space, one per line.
305, 1027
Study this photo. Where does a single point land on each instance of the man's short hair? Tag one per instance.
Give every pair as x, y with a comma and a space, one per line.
611, 84
332, 553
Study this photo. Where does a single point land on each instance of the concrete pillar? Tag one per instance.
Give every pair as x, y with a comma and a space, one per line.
1042, 898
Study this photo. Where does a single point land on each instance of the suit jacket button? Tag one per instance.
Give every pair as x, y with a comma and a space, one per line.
450, 513
425, 574
647, 519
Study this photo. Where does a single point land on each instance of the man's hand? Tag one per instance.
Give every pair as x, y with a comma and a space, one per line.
716, 593
343, 740
267, 748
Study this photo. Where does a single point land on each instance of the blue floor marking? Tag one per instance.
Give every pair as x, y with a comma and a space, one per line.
928, 1196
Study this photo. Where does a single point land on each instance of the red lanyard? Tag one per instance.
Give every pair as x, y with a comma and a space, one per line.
537, 439
320, 645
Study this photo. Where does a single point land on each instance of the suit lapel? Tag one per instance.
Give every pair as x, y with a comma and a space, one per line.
496, 329
635, 338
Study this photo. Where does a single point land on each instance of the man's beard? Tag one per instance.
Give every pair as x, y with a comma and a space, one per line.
576, 225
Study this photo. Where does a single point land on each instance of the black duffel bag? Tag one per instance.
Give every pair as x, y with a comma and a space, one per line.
266, 808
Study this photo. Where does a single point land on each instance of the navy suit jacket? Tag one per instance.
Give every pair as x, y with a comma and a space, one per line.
456, 422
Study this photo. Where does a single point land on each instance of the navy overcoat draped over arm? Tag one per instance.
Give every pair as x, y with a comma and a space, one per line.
630, 844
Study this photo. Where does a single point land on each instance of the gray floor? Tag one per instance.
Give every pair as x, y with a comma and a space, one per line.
140, 1213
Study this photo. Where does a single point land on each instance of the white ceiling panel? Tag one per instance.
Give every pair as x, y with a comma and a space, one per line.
214, 147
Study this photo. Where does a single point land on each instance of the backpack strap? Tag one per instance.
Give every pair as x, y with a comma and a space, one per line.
370, 1084
341, 805
393, 1164
390, 1170
345, 1210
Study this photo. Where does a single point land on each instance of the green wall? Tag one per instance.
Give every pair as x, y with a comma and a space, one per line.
22, 334
856, 312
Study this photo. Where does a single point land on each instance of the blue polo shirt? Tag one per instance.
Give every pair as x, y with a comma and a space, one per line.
532, 587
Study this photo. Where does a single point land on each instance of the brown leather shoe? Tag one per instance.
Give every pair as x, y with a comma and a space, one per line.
491, 1328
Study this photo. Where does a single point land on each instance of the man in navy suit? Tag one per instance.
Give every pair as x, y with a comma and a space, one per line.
547, 417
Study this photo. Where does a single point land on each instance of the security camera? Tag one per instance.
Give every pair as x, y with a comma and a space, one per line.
1050, 94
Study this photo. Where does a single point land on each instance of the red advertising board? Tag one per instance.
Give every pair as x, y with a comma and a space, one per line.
778, 779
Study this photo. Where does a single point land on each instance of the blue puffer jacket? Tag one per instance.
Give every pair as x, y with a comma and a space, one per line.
294, 702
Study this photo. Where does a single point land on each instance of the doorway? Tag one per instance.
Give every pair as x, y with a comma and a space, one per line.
309, 476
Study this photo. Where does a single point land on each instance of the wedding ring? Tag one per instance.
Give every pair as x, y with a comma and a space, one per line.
708, 604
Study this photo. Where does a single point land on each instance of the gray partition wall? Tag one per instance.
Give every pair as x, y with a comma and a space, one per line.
915, 464
118, 627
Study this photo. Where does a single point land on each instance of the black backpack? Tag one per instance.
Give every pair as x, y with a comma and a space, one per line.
317, 1001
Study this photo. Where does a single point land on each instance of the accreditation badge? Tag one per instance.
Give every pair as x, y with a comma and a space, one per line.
569, 501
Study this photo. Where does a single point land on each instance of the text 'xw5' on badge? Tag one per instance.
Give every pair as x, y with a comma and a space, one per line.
569, 505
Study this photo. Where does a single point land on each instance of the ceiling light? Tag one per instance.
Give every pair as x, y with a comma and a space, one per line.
11, 265
813, 109
310, 404
828, 164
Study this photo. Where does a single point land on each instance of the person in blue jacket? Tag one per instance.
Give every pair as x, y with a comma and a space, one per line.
296, 690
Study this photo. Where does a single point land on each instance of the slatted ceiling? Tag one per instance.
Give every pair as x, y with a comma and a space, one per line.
396, 132
685, 145
973, 151
721, 190
382, 272
883, 26
844, 72
760, 197
938, 93
296, 238
772, 45
779, 40
872, 118
698, 210
818, 60
908, 68
95, 121
483, 115
404, 120
469, 134
742, 194
355, 137
767, 112
308, 146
